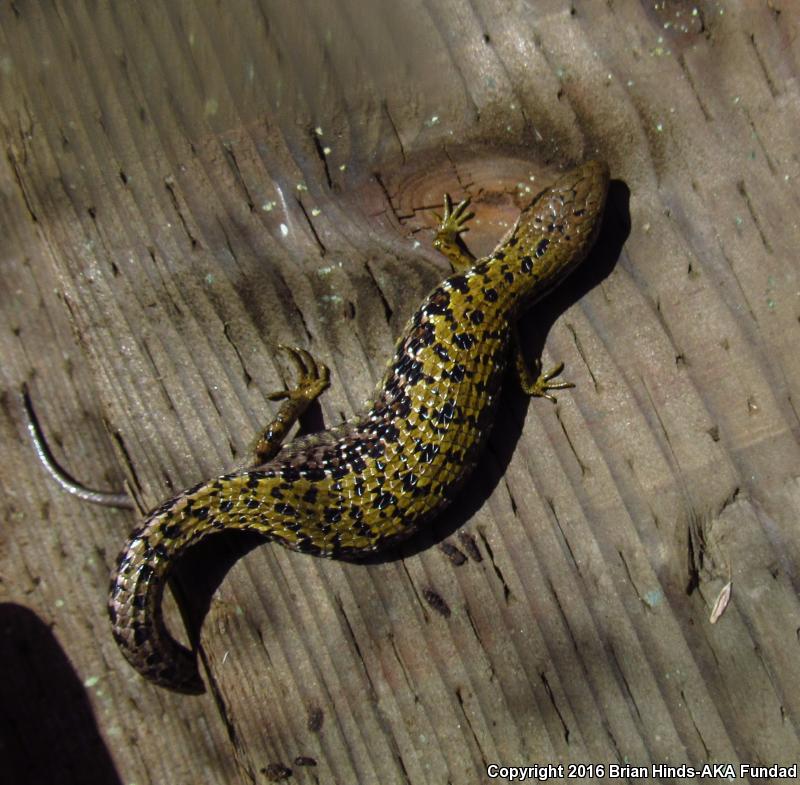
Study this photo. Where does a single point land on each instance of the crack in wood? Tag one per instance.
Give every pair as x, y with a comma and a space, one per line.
217, 694
409, 681
126, 457
497, 571
389, 201
551, 504
693, 88
767, 157
742, 189
169, 184
665, 327
511, 498
385, 107
771, 86
302, 318
403, 770
248, 379
552, 699
632, 582
373, 693
321, 155
706, 750
230, 157
413, 586
388, 311
157, 375
12, 159
583, 467
473, 627
583, 355
564, 620
454, 167
742, 290
471, 728
210, 396
627, 688
320, 245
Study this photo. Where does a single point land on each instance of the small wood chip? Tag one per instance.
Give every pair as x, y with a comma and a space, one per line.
436, 602
723, 598
470, 546
452, 553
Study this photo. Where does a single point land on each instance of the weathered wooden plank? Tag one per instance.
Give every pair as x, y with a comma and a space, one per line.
69, 710
188, 185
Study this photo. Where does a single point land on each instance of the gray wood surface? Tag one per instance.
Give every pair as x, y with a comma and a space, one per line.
186, 186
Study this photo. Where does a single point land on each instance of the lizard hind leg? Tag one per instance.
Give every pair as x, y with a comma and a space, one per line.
313, 379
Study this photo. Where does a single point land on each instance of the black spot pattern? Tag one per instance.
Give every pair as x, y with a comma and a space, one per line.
464, 341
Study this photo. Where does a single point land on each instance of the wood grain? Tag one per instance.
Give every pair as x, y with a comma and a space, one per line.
185, 186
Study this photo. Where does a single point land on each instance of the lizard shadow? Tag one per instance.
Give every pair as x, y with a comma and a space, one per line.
202, 569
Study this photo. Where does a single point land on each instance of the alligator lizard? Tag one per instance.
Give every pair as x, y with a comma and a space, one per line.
359, 486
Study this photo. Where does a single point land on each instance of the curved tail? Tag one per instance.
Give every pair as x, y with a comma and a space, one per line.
134, 606
137, 585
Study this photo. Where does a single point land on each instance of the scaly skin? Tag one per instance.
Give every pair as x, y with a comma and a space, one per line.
358, 487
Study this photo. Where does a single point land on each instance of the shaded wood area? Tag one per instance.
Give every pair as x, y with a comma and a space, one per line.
186, 186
